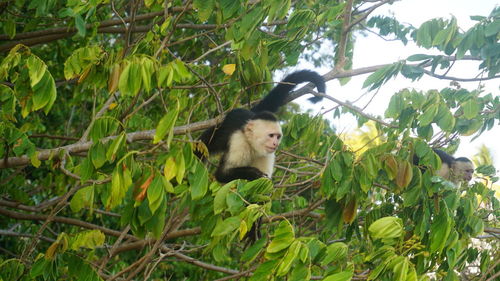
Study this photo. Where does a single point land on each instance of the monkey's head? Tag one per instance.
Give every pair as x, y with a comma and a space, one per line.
462, 169
263, 135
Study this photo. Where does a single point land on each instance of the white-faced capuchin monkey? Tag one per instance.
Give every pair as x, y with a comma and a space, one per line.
248, 139
453, 169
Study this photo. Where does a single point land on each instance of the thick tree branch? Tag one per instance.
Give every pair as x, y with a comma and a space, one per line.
83, 224
60, 33
105, 23
16, 234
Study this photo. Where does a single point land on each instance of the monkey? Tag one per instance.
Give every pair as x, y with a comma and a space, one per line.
453, 169
248, 139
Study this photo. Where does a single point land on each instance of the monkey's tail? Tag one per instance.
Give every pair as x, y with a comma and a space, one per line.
278, 95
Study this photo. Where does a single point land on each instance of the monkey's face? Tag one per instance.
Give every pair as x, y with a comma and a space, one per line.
264, 136
463, 170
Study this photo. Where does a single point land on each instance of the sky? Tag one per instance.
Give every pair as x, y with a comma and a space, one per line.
371, 50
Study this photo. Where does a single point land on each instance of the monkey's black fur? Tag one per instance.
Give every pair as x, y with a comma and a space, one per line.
445, 158
278, 95
217, 138
453, 169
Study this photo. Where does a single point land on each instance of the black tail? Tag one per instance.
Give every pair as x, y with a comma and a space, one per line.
280, 93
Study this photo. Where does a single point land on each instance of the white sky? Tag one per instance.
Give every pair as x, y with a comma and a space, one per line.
372, 50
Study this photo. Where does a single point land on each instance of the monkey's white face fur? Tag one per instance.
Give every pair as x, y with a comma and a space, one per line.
254, 146
458, 172
462, 171
264, 136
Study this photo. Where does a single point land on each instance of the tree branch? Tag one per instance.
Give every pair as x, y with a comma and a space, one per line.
105, 23
367, 13
342, 44
444, 77
83, 224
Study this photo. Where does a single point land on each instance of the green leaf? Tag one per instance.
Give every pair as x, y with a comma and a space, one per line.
250, 21
477, 226
165, 76
234, 203
170, 169
336, 169
376, 78
471, 109
86, 170
278, 9
289, 258
103, 127
181, 167
98, 154
220, 198
34, 159
424, 38
341, 276
264, 271
389, 256
428, 116
156, 194
412, 196
87, 239
386, 228
12, 269
79, 269
9, 28
36, 69
441, 37
300, 272
119, 186
181, 71
81, 60
117, 143
42, 83
445, 119
80, 25
251, 253
147, 70
282, 238
166, 126
400, 268
492, 29
199, 183
156, 223
205, 8
440, 229
396, 105
130, 79
229, 8
418, 57
82, 198
227, 226
38, 268
334, 252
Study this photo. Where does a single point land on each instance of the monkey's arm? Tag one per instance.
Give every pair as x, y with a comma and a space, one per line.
246, 173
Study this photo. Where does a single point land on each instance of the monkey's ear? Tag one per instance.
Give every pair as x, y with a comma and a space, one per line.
249, 126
